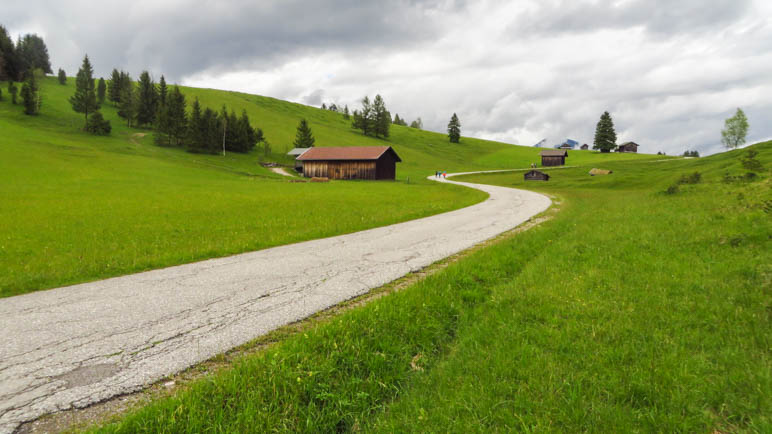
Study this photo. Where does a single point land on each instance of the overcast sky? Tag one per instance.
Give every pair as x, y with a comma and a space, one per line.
668, 71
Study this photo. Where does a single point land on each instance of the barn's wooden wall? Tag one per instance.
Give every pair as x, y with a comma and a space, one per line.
340, 169
552, 161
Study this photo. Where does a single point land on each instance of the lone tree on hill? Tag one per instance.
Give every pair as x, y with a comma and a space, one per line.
735, 130
605, 136
62, 76
345, 112
85, 100
101, 88
418, 123
454, 129
303, 137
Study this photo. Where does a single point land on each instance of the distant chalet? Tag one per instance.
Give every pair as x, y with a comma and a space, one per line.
628, 147
585, 147
553, 157
354, 162
535, 175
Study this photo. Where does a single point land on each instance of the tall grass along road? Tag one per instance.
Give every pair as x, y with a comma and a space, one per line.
81, 344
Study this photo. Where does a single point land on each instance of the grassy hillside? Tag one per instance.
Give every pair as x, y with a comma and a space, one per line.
78, 207
630, 310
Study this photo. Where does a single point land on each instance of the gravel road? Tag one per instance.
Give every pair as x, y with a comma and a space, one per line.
74, 346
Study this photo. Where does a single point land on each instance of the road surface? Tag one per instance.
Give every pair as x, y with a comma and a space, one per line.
78, 345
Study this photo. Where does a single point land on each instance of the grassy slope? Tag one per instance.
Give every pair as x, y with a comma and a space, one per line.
631, 310
77, 207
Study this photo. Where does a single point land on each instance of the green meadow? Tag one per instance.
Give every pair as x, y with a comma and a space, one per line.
77, 207
644, 304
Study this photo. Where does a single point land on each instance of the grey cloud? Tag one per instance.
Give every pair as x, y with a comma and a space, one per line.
315, 98
660, 17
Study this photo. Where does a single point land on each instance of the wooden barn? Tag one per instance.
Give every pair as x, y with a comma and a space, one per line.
553, 157
355, 162
628, 147
535, 175
585, 147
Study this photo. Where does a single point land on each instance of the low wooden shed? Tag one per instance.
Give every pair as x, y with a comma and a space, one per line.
553, 157
628, 147
585, 147
354, 162
535, 175
295, 153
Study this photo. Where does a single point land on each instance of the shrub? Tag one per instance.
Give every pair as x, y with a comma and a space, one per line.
98, 125
750, 162
673, 189
694, 178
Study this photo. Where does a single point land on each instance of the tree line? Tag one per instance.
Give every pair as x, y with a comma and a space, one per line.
26, 55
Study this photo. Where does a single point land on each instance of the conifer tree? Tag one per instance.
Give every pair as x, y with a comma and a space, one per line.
454, 129
30, 96
147, 100
162, 92
176, 116
381, 118
605, 136
195, 134
85, 100
1, 94
304, 138
9, 63
12, 90
114, 92
418, 123
345, 112
364, 119
127, 107
101, 88
62, 77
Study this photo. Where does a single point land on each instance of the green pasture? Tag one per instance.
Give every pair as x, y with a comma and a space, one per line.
631, 310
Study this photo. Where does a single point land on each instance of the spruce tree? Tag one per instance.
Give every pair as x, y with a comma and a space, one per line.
605, 136
303, 137
381, 118
12, 90
345, 112
147, 100
127, 107
162, 92
85, 100
9, 63
30, 96
114, 92
177, 116
454, 129
62, 77
194, 135
364, 120
101, 89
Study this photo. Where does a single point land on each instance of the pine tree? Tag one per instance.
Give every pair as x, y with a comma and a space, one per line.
364, 119
162, 92
101, 88
13, 90
177, 116
303, 137
605, 136
454, 129
381, 117
98, 125
33, 54
194, 136
127, 107
147, 100
62, 76
324, 107
418, 123
9, 62
29, 95
85, 100
114, 92
345, 112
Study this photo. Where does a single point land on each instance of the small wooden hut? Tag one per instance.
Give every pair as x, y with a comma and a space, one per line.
295, 153
628, 147
553, 157
585, 147
354, 162
535, 175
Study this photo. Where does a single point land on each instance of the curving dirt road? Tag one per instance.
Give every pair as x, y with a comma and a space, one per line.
74, 346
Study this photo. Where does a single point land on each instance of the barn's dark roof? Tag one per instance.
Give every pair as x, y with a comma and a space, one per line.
347, 153
535, 172
628, 143
554, 153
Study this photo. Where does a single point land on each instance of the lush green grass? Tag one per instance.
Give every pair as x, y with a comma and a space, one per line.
631, 310
76, 207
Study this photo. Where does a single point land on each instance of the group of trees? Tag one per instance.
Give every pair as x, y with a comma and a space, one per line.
85, 100
373, 119
25, 56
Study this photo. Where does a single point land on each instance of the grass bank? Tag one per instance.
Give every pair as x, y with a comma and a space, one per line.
631, 310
